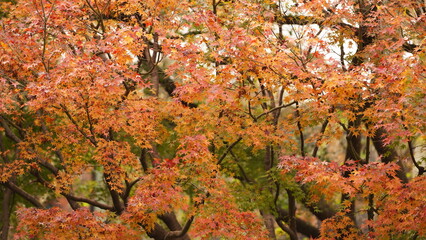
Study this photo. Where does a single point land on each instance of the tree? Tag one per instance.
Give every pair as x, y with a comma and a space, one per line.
213, 119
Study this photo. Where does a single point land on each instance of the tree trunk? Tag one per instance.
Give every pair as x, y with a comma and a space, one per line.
5, 218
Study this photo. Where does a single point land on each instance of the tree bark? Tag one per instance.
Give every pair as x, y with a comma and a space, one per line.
302, 226
5, 218
387, 153
268, 218
172, 223
269, 221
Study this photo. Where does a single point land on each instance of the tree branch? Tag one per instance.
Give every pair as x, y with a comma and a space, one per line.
410, 149
274, 109
323, 128
142, 160
228, 150
243, 173
409, 47
30, 198
299, 127
115, 196
7, 205
11, 135
286, 229
74, 205
302, 226
90, 138
86, 108
413, 159
89, 201
9, 132
129, 187
298, 20
181, 233
292, 214
387, 153
157, 233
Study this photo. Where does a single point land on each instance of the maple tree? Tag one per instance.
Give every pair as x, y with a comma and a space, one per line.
212, 119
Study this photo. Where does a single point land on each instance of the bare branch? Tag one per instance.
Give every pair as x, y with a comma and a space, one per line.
115, 196
299, 127
89, 201
413, 159
129, 187
323, 127
181, 233
286, 229
274, 109
245, 177
302, 226
292, 214
228, 150
9, 132
30, 198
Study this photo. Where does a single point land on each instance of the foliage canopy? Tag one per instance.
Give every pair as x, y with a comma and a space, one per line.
212, 119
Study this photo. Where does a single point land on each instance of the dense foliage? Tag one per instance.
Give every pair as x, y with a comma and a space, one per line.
217, 119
